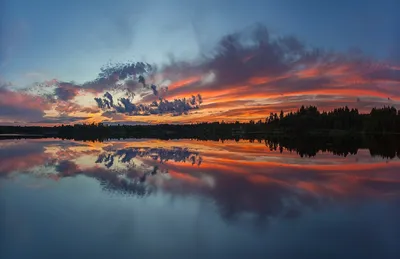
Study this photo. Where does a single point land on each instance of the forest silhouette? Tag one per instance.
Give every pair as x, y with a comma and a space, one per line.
307, 131
305, 121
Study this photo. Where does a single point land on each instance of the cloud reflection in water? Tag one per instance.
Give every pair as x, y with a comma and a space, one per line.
239, 177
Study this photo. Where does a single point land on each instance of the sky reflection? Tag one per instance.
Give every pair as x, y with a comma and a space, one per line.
240, 177
194, 199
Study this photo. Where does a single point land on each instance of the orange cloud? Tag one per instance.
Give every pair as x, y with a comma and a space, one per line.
184, 82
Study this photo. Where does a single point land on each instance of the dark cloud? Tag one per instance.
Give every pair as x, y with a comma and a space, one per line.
176, 107
19, 113
236, 61
125, 77
66, 91
277, 65
111, 74
154, 88
128, 78
252, 52
386, 74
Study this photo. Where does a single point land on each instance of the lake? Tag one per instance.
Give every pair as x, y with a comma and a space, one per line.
143, 198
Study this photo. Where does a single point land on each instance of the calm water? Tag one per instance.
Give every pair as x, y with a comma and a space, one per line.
194, 199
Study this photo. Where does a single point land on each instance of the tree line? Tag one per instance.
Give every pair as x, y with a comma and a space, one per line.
306, 120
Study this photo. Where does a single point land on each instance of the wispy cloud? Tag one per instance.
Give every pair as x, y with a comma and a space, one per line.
15, 105
60, 119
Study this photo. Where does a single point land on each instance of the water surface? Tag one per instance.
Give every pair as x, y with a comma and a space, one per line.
194, 199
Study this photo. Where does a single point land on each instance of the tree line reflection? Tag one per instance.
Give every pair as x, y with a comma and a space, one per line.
236, 180
385, 146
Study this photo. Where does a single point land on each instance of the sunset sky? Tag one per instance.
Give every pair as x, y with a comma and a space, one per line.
181, 61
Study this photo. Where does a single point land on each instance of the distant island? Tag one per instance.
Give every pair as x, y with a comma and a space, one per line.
306, 121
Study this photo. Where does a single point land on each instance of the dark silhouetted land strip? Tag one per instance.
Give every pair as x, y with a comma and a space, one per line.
342, 131
306, 121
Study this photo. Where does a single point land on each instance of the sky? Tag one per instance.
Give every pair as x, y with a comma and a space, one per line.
131, 62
